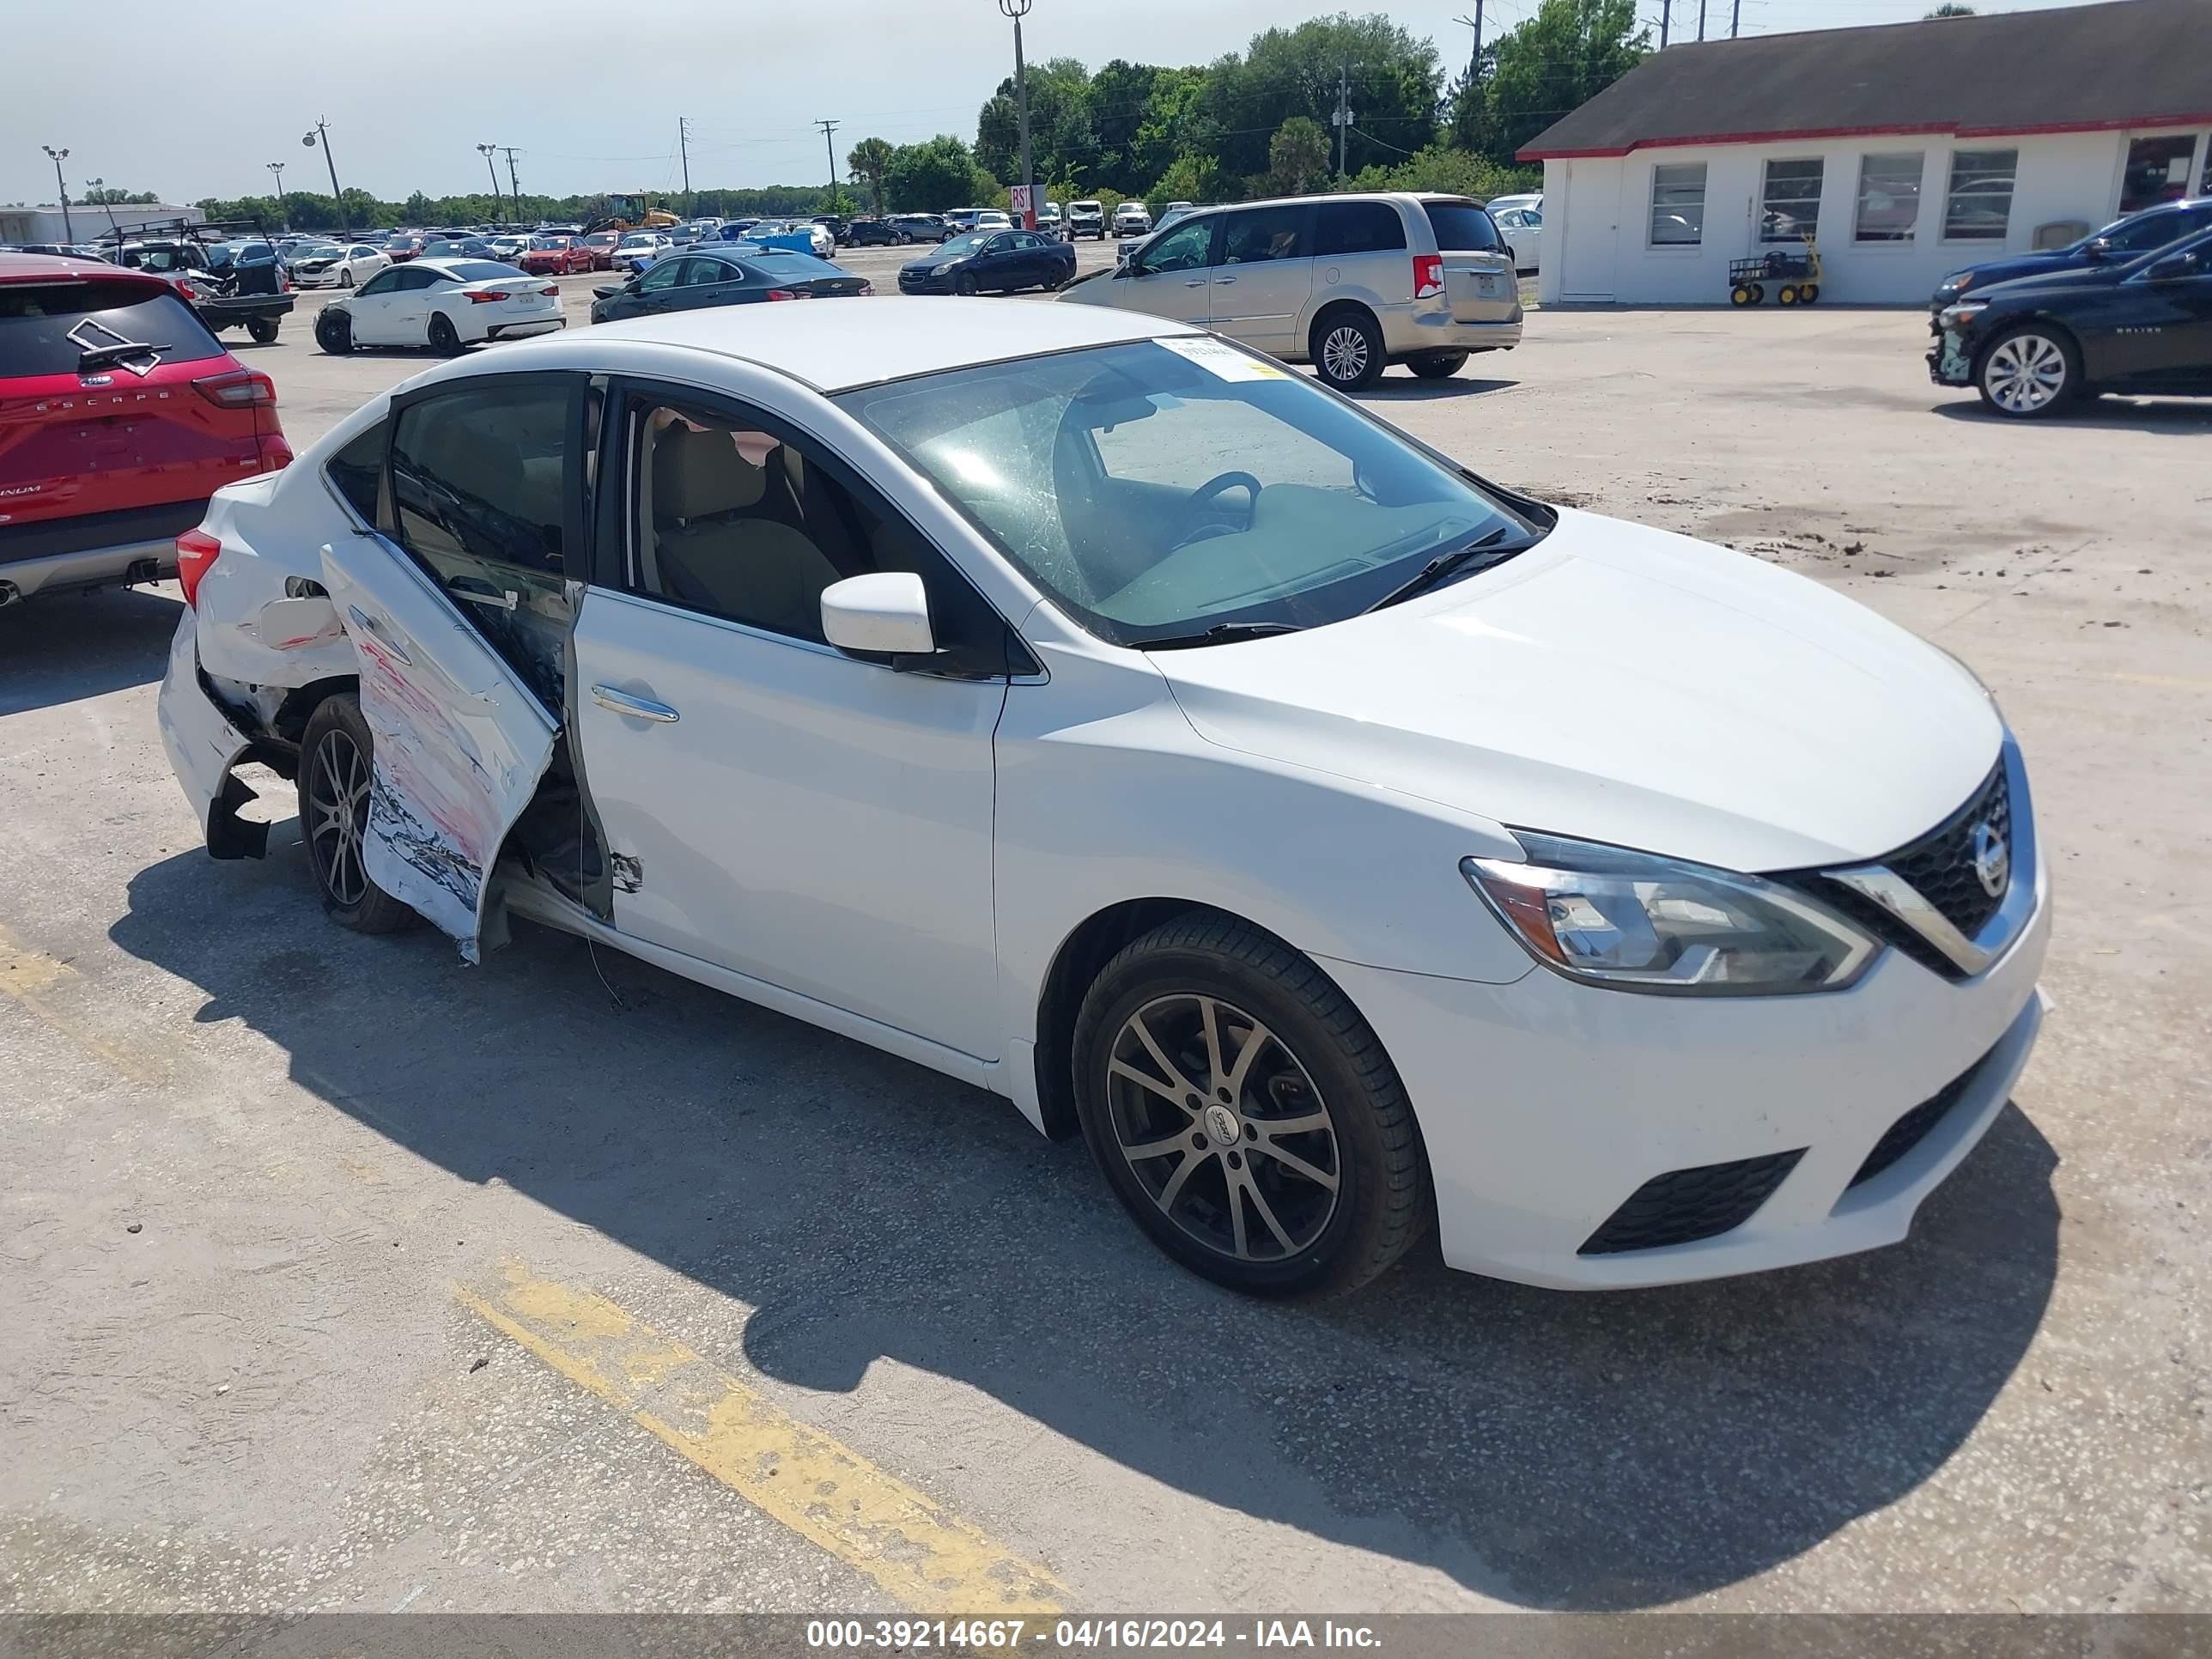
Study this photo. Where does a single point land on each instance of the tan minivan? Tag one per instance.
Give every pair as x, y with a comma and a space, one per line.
1348, 284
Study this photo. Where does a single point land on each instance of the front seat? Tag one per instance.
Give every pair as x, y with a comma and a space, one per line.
708, 550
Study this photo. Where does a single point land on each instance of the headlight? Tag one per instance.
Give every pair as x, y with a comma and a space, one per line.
1959, 282
1608, 916
1957, 317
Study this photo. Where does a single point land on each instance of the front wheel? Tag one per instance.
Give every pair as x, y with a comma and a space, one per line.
964, 284
1436, 365
334, 333
1245, 1115
445, 339
2027, 373
345, 278
1347, 349
335, 776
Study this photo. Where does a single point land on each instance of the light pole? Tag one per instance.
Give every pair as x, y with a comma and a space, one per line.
488, 151
277, 167
322, 127
1017, 9
68, 229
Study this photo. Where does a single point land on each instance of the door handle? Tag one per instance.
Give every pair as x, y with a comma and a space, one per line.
399, 653
1200, 282
639, 708
1223, 282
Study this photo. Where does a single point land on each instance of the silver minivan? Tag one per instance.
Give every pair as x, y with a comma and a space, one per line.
1349, 283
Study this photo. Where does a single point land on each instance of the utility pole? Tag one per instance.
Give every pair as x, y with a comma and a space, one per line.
513, 183
323, 129
684, 144
828, 128
488, 151
1735, 18
1474, 62
1342, 120
1701, 21
1666, 14
1017, 9
69, 227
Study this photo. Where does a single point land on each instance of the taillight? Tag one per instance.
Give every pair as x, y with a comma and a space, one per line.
781, 294
241, 388
1428, 275
476, 297
196, 552
550, 293
867, 288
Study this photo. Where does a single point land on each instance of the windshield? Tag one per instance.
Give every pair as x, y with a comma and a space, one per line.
1161, 488
967, 244
637, 241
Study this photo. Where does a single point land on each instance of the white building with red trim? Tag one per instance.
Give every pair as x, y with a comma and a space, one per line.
1909, 150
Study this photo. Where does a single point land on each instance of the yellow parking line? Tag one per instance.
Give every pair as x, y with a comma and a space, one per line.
931, 1559
29, 976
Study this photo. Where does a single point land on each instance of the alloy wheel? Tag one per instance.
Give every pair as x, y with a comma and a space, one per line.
2025, 374
337, 801
1344, 353
1222, 1128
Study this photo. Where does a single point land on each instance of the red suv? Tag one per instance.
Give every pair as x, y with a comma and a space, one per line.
120, 416
557, 256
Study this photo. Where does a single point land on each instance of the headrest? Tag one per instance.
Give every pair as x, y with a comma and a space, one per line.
698, 474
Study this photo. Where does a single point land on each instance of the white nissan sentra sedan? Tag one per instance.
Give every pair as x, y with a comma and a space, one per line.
1091, 709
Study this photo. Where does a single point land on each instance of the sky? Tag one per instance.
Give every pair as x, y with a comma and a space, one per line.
589, 93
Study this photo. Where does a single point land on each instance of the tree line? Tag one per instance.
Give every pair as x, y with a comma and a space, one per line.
1259, 122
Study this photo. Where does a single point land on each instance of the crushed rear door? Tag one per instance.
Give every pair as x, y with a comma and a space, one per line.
1477, 265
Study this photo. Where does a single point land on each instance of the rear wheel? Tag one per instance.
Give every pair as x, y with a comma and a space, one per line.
1787, 295
1348, 349
1808, 292
1245, 1115
1739, 294
262, 329
445, 339
335, 773
1436, 365
334, 333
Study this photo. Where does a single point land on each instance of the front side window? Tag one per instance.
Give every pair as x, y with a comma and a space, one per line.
1159, 489
1677, 204
1260, 235
477, 482
1889, 196
1789, 207
668, 273
1343, 227
385, 281
1978, 207
1183, 248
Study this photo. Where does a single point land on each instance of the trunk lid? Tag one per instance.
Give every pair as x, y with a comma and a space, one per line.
1478, 279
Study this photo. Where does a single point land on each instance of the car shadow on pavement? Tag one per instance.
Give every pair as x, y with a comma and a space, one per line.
2178, 415
1411, 388
65, 647
1552, 1450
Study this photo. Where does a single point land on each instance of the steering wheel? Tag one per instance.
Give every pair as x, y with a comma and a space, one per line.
1206, 492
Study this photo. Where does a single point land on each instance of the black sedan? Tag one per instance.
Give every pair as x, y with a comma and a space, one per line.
875, 232
724, 277
2124, 240
2029, 345
999, 261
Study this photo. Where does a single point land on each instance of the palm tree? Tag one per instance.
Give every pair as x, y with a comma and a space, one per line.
870, 159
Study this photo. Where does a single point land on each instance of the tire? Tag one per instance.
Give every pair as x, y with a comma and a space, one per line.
1787, 295
1739, 294
335, 753
334, 333
445, 339
1436, 365
1807, 293
1347, 348
345, 278
1321, 1060
2028, 373
1759, 294
262, 329
963, 282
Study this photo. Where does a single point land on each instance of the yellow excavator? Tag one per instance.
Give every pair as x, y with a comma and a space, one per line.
627, 213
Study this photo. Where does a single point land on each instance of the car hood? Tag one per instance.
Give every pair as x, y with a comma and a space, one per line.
937, 261
2004, 271
2073, 281
1622, 684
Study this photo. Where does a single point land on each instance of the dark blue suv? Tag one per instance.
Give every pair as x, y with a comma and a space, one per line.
2116, 244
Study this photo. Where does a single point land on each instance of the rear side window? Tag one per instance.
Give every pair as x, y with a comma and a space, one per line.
1461, 227
356, 470
36, 321
1356, 227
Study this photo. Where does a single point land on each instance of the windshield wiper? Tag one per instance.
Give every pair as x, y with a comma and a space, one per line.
1219, 633
100, 357
1438, 568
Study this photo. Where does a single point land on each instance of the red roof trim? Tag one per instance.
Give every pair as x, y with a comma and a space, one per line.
2201, 118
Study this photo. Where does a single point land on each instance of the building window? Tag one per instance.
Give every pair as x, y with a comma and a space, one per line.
1889, 196
1677, 204
2157, 171
1791, 208
1978, 205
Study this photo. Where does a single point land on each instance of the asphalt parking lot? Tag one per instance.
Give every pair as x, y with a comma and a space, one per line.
341, 1275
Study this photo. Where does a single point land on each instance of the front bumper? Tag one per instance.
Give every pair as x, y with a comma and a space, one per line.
926, 281
1950, 357
1544, 1105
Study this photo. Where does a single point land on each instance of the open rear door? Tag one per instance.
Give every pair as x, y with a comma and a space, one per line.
460, 743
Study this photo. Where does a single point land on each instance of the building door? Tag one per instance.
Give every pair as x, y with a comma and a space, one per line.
1589, 230
2160, 169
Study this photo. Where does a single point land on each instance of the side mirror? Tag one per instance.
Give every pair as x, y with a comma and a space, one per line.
605, 293
2099, 250
883, 614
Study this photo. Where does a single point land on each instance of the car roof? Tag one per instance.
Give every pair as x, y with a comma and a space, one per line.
47, 267
836, 346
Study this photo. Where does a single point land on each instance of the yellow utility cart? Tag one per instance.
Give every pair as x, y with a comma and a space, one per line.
1796, 278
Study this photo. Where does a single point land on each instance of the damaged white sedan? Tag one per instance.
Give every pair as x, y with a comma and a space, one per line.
1095, 711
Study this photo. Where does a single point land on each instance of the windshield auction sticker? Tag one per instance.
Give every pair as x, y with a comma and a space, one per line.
1223, 361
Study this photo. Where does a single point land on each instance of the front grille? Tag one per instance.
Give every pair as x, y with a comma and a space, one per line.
1915, 1126
1684, 1205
